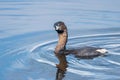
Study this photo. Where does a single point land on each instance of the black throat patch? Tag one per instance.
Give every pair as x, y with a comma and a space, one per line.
60, 31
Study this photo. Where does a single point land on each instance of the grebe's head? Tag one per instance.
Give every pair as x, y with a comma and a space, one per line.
60, 27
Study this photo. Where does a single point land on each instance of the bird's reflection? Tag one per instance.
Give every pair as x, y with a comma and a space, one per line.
61, 67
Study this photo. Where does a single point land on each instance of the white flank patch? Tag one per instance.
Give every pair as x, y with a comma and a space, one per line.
102, 50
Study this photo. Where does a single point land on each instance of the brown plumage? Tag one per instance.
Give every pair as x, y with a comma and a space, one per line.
82, 52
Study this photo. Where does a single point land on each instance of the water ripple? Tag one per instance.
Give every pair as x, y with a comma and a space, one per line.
44, 53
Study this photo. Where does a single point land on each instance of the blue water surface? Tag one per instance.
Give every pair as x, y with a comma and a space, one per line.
28, 39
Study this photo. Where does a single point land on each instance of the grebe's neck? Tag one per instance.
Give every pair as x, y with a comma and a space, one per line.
62, 41
59, 50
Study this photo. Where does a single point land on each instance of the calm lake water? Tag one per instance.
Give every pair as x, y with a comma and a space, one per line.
28, 39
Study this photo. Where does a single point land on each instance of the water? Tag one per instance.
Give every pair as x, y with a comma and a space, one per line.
28, 39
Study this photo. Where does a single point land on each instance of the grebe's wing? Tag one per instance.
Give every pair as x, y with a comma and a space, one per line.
86, 52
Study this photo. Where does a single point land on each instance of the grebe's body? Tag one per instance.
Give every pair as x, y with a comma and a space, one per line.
82, 52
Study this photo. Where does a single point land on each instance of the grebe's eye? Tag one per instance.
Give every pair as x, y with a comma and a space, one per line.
59, 24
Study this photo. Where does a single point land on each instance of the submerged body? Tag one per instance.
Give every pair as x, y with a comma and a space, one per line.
82, 52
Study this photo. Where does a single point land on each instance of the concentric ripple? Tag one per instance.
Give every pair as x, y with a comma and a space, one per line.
99, 68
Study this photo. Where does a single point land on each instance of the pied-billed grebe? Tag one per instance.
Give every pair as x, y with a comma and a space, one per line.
83, 52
